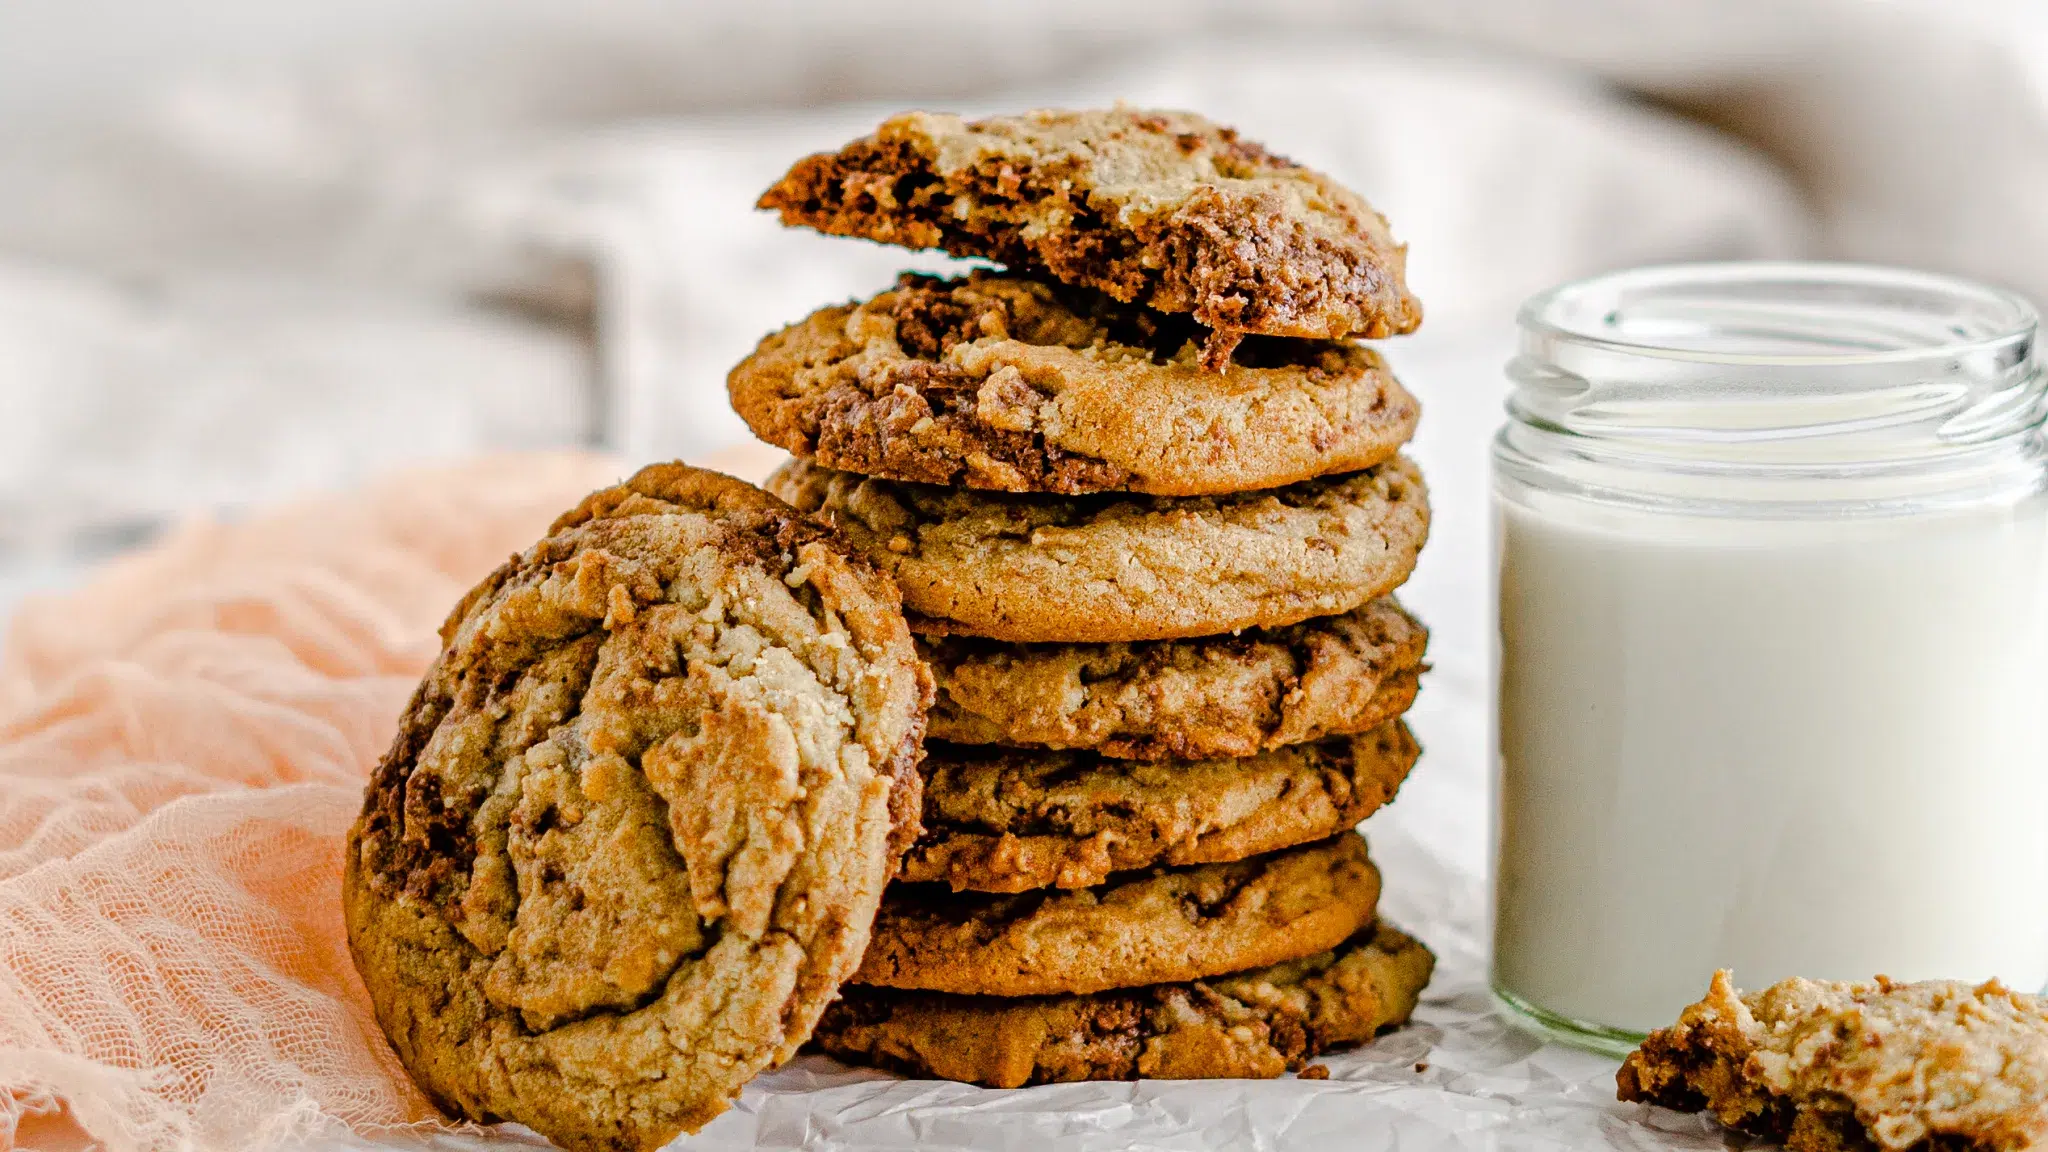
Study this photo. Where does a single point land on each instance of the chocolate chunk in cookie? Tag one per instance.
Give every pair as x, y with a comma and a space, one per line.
1009, 820
1835, 1067
1140, 928
638, 817
1231, 695
1004, 383
1094, 569
1164, 209
1252, 1024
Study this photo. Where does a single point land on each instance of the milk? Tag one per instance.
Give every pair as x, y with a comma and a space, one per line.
1791, 747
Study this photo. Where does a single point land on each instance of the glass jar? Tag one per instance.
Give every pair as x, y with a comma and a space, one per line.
1772, 549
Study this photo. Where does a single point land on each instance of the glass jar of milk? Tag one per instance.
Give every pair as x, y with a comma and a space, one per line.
1773, 575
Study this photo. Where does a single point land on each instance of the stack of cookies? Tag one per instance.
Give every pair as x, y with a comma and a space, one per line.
1142, 492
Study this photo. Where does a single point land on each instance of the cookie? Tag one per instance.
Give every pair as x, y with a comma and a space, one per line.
1164, 209
1003, 383
1141, 928
1252, 1024
638, 816
1009, 820
1230, 695
1099, 569
1826, 1066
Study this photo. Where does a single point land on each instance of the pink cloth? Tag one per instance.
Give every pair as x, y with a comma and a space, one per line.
183, 742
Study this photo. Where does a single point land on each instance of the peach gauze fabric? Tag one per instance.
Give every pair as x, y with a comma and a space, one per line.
183, 743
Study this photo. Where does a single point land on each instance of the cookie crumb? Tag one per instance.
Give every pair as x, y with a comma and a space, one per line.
1217, 349
619, 608
1421, 1066
1314, 1072
1830, 1064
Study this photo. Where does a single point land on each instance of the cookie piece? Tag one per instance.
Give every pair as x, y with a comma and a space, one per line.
1004, 383
1254, 1024
637, 819
1141, 928
1230, 695
1097, 569
1009, 820
1165, 209
1827, 1066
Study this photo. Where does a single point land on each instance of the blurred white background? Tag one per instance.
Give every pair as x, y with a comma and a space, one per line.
249, 249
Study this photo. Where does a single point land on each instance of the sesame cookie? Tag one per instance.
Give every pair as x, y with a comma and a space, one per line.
638, 816
1140, 928
1164, 209
1009, 820
1229, 695
1101, 569
999, 382
1253, 1024
1835, 1067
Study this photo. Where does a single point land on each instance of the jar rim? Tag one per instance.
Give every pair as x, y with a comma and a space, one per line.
1605, 312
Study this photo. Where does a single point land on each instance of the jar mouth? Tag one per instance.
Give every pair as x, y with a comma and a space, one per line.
1778, 384
1789, 313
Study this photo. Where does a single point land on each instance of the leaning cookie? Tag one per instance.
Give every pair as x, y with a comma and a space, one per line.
1251, 1024
1165, 209
1093, 569
1231, 695
1009, 820
638, 816
1140, 928
1004, 383
1830, 1066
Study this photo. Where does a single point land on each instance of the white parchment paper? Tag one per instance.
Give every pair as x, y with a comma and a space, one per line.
1458, 1078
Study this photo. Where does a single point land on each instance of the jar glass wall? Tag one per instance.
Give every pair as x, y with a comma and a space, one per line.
1772, 548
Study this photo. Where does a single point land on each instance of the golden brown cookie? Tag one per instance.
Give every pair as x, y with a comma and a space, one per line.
999, 382
1229, 695
637, 818
1165, 209
1095, 569
1252, 1024
1009, 820
1839, 1067
1140, 928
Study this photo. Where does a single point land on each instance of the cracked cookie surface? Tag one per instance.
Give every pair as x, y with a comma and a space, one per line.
998, 382
1111, 568
1830, 1066
1139, 928
1251, 1024
639, 813
1164, 209
1210, 696
1010, 820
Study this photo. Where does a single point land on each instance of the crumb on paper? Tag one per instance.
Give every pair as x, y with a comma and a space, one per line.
1831, 1064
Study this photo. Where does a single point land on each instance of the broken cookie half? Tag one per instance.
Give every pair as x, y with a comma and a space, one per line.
1164, 209
1827, 1066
